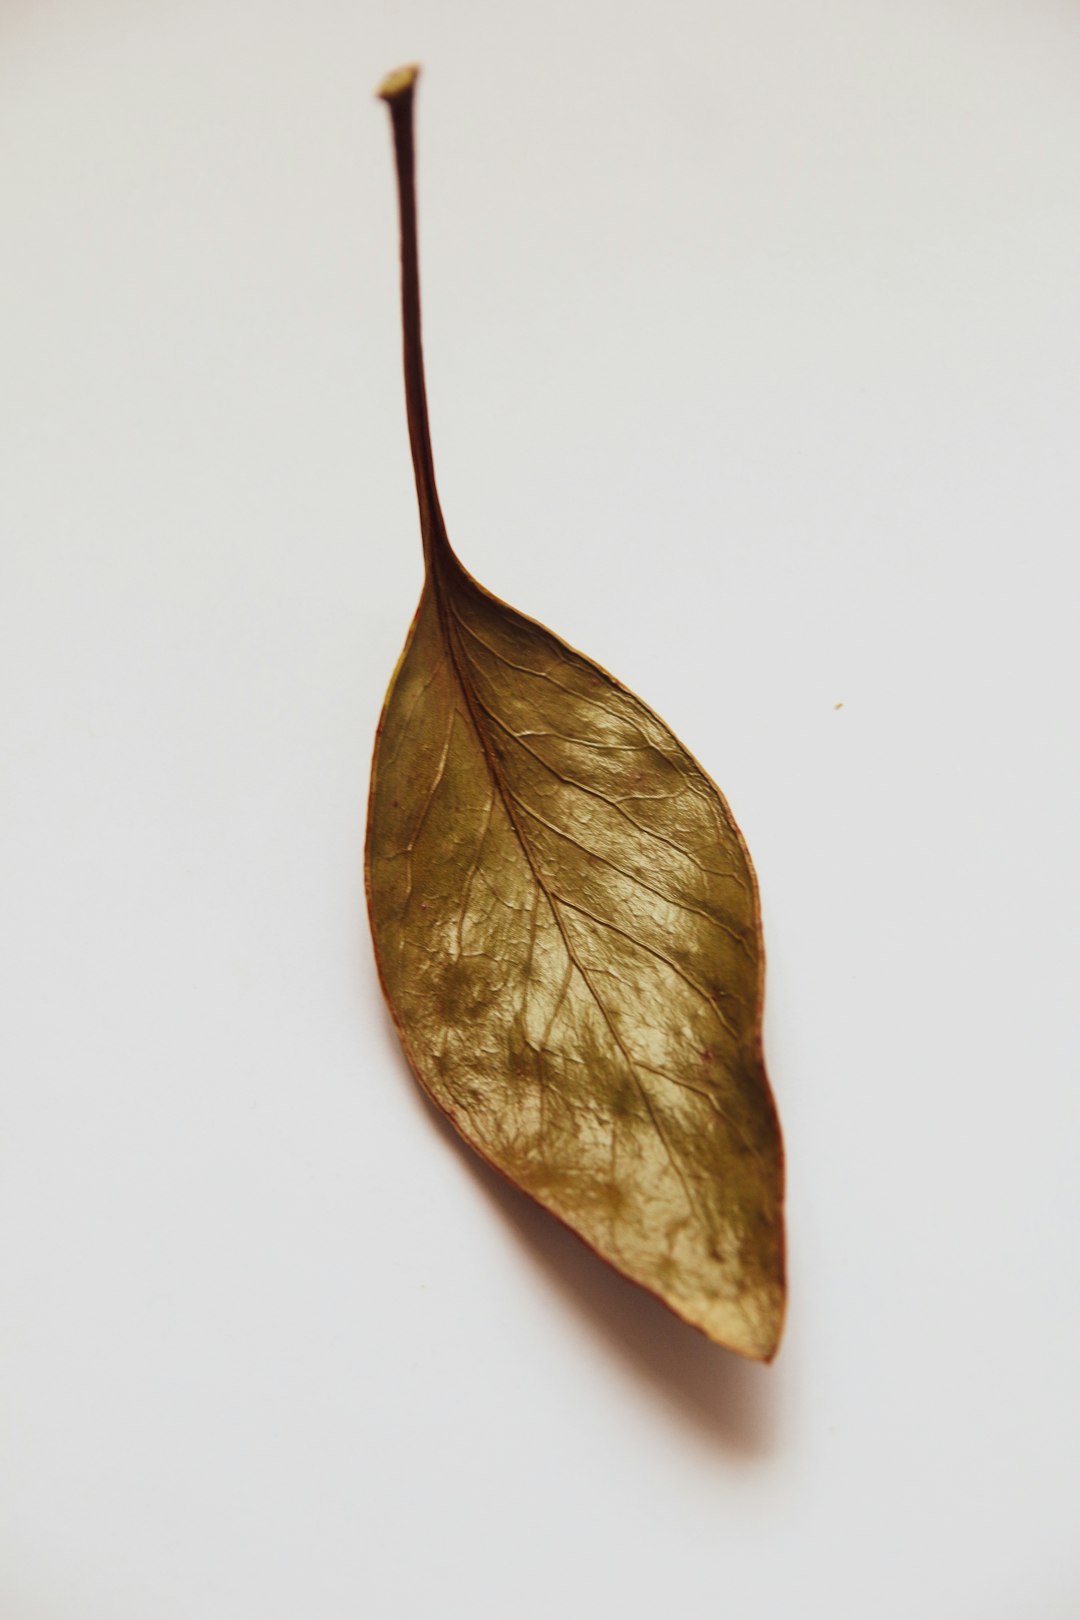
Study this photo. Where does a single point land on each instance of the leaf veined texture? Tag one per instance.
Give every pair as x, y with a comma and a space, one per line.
567, 929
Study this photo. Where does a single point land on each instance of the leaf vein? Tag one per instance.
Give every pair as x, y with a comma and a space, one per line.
594, 854
633, 939
543, 675
473, 703
612, 804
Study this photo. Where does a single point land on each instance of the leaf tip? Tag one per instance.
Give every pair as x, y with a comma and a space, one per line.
748, 1319
752, 1329
399, 83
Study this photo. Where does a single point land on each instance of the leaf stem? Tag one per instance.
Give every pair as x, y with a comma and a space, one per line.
397, 90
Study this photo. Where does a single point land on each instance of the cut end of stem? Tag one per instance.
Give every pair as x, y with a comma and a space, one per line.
398, 83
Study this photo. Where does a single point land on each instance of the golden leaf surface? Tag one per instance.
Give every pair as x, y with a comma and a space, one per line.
567, 929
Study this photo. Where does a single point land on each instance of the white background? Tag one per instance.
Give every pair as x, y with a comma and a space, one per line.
754, 353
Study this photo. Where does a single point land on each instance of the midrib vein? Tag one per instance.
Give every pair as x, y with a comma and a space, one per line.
445, 610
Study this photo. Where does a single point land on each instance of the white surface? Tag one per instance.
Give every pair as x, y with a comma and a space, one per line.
754, 353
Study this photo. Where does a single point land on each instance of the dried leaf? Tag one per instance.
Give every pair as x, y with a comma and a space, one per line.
567, 929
